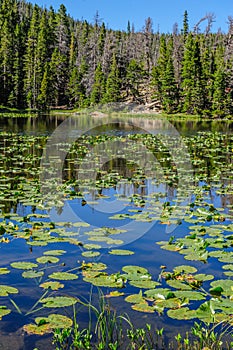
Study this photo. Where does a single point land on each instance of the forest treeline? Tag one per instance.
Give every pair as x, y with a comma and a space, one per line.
48, 59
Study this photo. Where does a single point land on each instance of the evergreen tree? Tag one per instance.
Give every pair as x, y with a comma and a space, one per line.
185, 24
169, 89
98, 88
112, 93
30, 66
44, 97
76, 88
192, 80
134, 76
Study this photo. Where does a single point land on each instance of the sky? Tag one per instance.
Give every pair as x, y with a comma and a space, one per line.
164, 13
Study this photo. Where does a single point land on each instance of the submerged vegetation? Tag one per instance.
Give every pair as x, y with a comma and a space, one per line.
50, 60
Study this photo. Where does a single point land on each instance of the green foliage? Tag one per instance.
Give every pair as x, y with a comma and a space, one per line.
48, 59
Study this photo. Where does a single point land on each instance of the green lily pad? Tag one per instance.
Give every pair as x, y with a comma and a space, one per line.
6, 290
4, 311
143, 307
135, 298
90, 254
32, 274
54, 302
157, 293
52, 285
203, 277
54, 252
92, 246
55, 321
228, 267
4, 271
24, 265
147, 284
189, 295
185, 269
131, 269
181, 314
178, 285
121, 252
63, 276
47, 259
226, 285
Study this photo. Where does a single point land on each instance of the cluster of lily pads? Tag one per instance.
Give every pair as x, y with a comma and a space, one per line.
181, 293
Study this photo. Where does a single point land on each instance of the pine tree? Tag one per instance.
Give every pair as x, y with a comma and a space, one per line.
192, 79
98, 88
30, 66
185, 24
112, 93
8, 22
169, 89
76, 89
134, 76
44, 96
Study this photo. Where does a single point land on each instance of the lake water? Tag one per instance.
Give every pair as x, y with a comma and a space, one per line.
93, 186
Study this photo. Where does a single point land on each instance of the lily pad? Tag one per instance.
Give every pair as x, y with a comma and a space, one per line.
47, 259
54, 252
121, 252
4, 311
32, 274
185, 269
63, 276
23, 265
147, 284
6, 290
53, 302
181, 314
135, 298
52, 285
90, 254
131, 269
143, 307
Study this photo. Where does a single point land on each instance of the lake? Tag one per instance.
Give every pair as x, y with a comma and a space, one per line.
132, 204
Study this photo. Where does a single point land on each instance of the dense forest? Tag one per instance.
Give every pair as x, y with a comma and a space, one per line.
48, 59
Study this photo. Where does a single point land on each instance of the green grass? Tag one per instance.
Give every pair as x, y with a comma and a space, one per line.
109, 331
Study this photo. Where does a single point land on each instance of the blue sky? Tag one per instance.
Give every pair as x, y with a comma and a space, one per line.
163, 13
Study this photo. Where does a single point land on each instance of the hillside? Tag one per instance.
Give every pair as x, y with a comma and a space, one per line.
50, 60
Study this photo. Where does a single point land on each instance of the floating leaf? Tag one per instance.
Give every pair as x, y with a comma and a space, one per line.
4, 311
226, 285
52, 285
131, 269
135, 298
182, 313
92, 246
54, 302
6, 290
143, 307
32, 274
121, 252
4, 271
178, 285
114, 293
185, 269
63, 276
144, 284
55, 321
47, 259
24, 265
54, 252
90, 254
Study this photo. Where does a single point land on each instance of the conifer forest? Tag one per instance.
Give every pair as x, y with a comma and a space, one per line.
48, 60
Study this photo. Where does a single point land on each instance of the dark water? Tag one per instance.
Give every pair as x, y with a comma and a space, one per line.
147, 253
